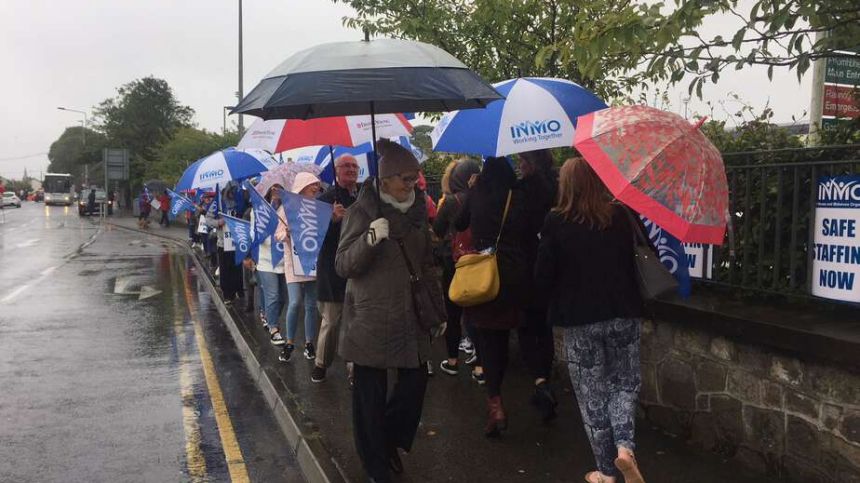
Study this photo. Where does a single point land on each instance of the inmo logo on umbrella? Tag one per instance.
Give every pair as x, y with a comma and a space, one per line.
211, 174
533, 131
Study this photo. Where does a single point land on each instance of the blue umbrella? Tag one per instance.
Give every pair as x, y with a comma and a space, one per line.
223, 166
537, 113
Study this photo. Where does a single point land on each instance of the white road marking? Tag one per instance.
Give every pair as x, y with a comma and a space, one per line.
44, 273
14, 293
27, 243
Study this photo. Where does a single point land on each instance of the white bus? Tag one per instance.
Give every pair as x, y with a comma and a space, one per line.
59, 189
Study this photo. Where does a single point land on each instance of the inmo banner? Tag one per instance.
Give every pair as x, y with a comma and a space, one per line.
308, 220
836, 253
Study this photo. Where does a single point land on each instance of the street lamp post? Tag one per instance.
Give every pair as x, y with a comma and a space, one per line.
84, 130
241, 92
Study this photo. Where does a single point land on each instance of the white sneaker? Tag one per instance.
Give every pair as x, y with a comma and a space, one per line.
467, 346
277, 338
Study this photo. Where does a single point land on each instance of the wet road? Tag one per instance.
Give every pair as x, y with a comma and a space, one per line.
115, 366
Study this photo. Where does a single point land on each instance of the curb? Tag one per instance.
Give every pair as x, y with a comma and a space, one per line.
315, 462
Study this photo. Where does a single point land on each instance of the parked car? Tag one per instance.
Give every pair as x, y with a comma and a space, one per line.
83, 203
11, 199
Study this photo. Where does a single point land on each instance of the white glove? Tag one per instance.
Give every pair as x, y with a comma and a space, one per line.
378, 231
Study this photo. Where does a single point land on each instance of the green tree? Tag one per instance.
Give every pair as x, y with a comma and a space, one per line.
144, 115
786, 34
69, 154
614, 46
187, 145
502, 39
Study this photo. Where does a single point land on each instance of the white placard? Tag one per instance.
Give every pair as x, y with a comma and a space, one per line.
155, 204
836, 253
229, 246
700, 259
201, 226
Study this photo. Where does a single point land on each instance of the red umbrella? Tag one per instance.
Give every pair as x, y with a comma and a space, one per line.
660, 165
277, 135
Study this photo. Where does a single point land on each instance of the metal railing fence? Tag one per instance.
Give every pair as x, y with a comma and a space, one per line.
772, 198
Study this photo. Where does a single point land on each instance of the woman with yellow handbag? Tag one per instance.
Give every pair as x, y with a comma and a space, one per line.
493, 209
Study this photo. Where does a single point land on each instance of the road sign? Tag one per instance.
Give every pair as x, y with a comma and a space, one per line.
116, 162
843, 70
831, 123
841, 101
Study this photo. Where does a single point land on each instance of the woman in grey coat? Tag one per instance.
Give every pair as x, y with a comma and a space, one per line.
381, 330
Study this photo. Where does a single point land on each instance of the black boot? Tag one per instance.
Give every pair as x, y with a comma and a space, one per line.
545, 401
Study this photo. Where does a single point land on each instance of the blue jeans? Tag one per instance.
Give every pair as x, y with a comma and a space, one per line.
272, 288
605, 372
298, 292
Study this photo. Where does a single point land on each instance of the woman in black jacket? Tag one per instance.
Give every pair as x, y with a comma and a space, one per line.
585, 261
483, 212
539, 182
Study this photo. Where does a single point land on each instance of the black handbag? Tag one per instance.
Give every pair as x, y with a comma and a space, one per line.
653, 278
429, 308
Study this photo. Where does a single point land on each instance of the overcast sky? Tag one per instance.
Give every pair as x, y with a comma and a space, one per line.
75, 53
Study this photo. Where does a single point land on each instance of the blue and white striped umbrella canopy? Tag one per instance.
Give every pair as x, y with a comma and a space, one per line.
537, 113
224, 166
321, 156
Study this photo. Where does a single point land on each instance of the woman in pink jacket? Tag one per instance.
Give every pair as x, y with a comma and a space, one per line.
300, 289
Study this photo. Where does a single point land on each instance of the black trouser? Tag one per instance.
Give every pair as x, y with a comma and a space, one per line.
377, 424
249, 282
536, 342
494, 356
230, 275
164, 219
454, 332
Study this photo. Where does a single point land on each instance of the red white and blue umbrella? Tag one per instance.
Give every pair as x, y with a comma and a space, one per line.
224, 166
537, 113
322, 157
279, 135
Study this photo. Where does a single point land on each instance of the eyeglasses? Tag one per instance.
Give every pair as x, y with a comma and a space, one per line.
350, 166
408, 179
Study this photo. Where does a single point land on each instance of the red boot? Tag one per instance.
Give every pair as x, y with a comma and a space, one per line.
497, 421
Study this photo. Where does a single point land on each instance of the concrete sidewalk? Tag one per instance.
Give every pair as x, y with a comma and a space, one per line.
450, 445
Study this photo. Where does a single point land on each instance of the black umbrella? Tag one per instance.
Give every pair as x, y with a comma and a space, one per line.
368, 77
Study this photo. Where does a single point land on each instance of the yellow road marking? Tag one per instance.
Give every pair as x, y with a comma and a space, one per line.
232, 451
194, 453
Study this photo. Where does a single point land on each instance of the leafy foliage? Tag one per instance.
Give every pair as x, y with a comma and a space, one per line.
69, 154
774, 33
143, 115
502, 39
186, 146
614, 46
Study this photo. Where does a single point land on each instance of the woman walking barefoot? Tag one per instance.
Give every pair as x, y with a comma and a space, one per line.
585, 261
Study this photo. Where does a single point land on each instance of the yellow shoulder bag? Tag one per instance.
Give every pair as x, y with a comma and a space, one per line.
476, 279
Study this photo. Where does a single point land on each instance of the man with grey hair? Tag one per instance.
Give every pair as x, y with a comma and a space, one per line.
330, 286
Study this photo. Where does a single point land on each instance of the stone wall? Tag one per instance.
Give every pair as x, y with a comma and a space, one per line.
785, 416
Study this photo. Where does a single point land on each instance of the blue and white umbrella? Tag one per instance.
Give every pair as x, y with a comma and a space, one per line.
322, 156
223, 166
537, 113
